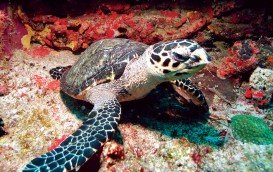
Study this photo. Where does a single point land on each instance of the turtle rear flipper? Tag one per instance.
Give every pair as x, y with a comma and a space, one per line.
57, 72
82, 144
187, 90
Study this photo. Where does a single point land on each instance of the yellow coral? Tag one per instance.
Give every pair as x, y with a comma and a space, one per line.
26, 39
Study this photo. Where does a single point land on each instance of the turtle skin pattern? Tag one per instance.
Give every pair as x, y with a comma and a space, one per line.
184, 84
187, 85
81, 145
100, 63
57, 72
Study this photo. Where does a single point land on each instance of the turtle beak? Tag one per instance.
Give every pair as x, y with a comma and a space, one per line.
200, 56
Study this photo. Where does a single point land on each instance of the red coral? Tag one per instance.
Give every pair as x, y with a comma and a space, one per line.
168, 13
248, 93
242, 58
193, 28
45, 85
109, 33
197, 158
56, 143
115, 20
39, 81
39, 51
258, 95
53, 85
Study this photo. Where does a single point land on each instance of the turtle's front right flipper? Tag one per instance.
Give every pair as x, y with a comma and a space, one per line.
82, 144
187, 90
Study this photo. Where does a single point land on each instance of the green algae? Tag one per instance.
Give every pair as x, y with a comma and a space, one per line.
247, 128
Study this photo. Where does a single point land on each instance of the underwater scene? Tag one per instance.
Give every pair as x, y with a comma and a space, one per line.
136, 86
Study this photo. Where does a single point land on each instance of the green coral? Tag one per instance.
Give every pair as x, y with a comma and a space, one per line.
248, 128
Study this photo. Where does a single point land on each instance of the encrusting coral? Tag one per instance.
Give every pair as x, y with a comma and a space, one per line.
252, 129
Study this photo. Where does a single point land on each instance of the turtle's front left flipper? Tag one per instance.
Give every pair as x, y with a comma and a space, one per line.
83, 143
187, 90
57, 72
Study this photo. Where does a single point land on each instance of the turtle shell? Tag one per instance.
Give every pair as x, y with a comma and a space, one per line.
103, 61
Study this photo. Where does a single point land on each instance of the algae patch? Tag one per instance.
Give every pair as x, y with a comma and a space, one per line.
247, 128
28, 135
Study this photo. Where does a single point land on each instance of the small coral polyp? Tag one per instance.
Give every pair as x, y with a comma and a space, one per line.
247, 128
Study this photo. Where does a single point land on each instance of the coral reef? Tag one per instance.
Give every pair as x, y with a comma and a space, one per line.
157, 133
146, 22
76, 34
241, 58
252, 129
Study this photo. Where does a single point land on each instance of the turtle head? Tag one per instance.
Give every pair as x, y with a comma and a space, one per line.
178, 59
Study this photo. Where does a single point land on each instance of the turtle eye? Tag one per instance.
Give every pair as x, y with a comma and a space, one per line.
179, 57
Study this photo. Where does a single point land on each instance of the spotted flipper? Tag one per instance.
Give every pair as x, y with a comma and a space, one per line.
57, 72
185, 88
82, 144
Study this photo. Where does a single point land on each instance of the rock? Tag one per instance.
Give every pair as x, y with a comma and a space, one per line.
112, 152
261, 82
2, 131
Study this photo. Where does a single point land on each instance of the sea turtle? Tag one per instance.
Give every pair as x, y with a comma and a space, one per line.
112, 71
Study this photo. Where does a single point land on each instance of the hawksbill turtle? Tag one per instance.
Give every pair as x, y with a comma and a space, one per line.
112, 71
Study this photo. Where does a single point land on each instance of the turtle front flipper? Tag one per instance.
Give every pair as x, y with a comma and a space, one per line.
191, 93
82, 144
57, 72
